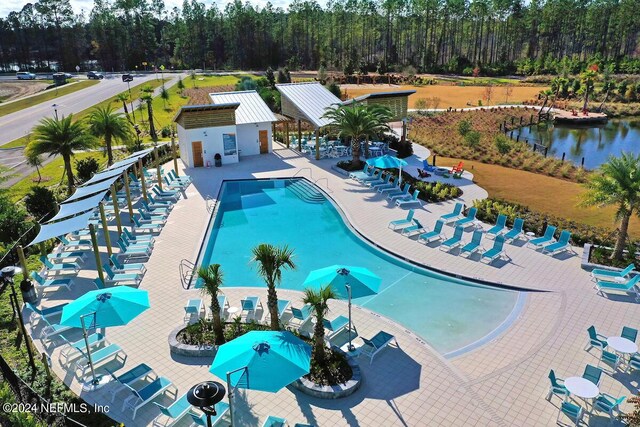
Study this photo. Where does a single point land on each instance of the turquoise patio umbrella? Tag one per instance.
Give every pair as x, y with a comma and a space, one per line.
347, 282
262, 360
102, 308
388, 162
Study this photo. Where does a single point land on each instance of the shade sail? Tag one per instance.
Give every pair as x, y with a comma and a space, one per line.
74, 208
124, 163
49, 231
139, 154
104, 175
89, 190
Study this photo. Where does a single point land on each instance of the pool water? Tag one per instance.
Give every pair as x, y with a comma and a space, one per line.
448, 313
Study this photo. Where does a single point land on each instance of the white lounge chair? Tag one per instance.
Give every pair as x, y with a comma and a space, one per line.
146, 394
376, 344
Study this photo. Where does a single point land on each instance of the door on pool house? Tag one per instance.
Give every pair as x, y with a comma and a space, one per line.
263, 136
196, 152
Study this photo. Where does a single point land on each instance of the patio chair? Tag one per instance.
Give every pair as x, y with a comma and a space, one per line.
272, 421
146, 394
130, 252
470, 219
454, 241
101, 355
141, 243
415, 228
427, 167
571, 410
120, 278
561, 245
595, 339
629, 333
593, 374
70, 267
454, 215
435, 234
516, 231
301, 316
193, 307
474, 245
399, 193
172, 414
612, 275
376, 344
634, 362
222, 409
250, 305
152, 228
409, 200
547, 239
557, 386
609, 404
630, 286
364, 172
43, 284
457, 168
69, 256
402, 222
611, 359
70, 350
141, 371
496, 252
499, 228
335, 326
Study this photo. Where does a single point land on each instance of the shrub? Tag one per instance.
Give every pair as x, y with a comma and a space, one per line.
502, 144
41, 203
404, 149
13, 224
472, 138
421, 103
348, 166
464, 127
165, 132
85, 168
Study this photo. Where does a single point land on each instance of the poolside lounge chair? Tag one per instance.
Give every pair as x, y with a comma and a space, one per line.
146, 394
335, 326
474, 245
595, 339
609, 404
454, 215
68, 256
138, 238
43, 313
157, 203
373, 177
547, 239
516, 232
121, 278
497, 251
409, 200
157, 210
386, 183
174, 177
137, 243
382, 178
50, 330
222, 408
399, 193
78, 244
593, 374
470, 219
71, 350
571, 410
613, 275
301, 316
223, 303
364, 172
561, 245
111, 351
166, 194
630, 286
402, 222
436, 234
391, 186
272, 421
132, 251
43, 284
629, 333
454, 241
415, 228
174, 185
66, 267
373, 346
250, 305
557, 386
146, 218
172, 414
194, 307
152, 228
141, 371
119, 267
611, 359
499, 228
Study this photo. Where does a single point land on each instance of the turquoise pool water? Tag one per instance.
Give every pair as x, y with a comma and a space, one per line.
448, 313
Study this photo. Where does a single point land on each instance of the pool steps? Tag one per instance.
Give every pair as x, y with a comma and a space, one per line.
306, 191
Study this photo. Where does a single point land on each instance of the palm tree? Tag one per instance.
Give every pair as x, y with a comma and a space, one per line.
35, 161
617, 184
147, 96
123, 97
211, 282
359, 121
164, 94
588, 78
271, 260
61, 137
112, 126
318, 302
546, 94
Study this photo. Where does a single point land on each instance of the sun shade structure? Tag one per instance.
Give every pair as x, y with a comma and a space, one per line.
388, 162
307, 101
90, 190
114, 306
106, 174
252, 108
80, 206
362, 281
263, 360
52, 230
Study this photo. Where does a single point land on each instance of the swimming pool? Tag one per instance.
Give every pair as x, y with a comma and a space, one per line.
449, 313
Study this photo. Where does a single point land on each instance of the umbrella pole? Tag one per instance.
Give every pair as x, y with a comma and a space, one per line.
94, 381
230, 399
350, 347
400, 176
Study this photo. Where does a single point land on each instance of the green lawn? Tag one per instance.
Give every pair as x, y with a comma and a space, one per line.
21, 104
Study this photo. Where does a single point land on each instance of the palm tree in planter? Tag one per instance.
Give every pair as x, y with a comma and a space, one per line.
318, 300
105, 123
61, 137
617, 184
271, 260
211, 282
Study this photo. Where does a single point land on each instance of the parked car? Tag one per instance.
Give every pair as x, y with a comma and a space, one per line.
25, 75
127, 77
94, 75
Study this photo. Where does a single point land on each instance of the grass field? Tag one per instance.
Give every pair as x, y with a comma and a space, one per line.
540, 193
21, 104
451, 95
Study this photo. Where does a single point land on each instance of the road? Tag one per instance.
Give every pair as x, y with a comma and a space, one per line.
20, 123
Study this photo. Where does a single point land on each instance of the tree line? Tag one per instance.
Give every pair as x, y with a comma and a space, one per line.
499, 36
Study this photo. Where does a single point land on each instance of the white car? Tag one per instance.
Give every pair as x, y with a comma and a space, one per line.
25, 75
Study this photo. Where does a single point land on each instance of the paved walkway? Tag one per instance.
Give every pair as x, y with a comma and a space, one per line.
502, 383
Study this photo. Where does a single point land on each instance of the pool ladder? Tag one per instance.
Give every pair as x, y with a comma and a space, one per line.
187, 271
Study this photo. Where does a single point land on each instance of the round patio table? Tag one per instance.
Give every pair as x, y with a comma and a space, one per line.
232, 310
622, 345
581, 387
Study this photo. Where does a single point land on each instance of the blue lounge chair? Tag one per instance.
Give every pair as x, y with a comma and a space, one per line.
361, 174
409, 200
71, 350
172, 414
561, 245
571, 410
194, 307
454, 215
427, 167
222, 408
138, 238
174, 185
454, 241
173, 196
69, 256
121, 278
376, 344
119, 267
382, 178
50, 330
613, 275
547, 239
399, 193
132, 251
629, 333
78, 244
300, 316
272, 421
474, 245
436, 234
516, 232
152, 228
43, 313
392, 186
223, 304
415, 228
595, 339
497, 251
335, 326
386, 183
250, 305
402, 222
174, 177
43, 284
557, 386
138, 243
66, 267
468, 220
146, 394
593, 374
499, 228
146, 218
156, 210
630, 286
164, 204
609, 404
141, 371
374, 176
99, 356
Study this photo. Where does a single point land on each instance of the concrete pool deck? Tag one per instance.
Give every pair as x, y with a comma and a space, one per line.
502, 383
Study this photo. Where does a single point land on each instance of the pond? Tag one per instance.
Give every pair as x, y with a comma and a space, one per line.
593, 143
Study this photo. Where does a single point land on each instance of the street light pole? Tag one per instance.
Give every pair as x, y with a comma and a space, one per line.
133, 111
55, 110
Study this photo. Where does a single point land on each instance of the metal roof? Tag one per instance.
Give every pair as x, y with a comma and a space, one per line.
312, 99
252, 108
205, 107
393, 94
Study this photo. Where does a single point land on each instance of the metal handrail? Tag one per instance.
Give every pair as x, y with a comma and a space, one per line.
301, 169
211, 204
321, 179
187, 271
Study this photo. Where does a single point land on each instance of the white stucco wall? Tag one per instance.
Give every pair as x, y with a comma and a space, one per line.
212, 143
185, 149
248, 137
